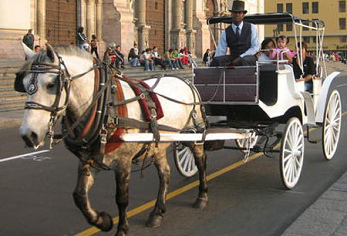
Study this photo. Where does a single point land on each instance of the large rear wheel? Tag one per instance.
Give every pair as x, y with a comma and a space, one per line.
184, 160
292, 153
331, 125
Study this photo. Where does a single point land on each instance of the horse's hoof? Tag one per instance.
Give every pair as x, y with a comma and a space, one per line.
154, 220
121, 233
200, 203
104, 222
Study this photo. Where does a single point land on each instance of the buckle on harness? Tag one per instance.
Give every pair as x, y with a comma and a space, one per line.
153, 113
103, 135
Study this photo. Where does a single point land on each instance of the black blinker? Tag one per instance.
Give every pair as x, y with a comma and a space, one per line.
18, 82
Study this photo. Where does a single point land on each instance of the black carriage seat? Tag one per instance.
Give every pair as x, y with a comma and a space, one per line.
268, 84
219, 85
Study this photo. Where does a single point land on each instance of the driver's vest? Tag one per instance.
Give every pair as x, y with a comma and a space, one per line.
239, 44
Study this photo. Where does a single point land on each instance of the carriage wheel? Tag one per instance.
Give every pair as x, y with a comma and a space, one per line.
184, 160
243, 143
292, 153
331, 125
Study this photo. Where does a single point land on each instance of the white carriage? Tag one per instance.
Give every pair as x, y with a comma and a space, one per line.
255, 100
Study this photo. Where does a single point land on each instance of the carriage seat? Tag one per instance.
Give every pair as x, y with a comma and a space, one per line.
227, 85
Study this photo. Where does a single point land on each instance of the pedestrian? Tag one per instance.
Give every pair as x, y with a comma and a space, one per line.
134, 57
119, 57
82, 40
147, 59
94, 45
37, 48
158, 60
240, 37
29, 39
177, 59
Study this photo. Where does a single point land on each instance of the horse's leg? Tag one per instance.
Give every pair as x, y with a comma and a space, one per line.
122, 174
200, 161
163, 168
85, 181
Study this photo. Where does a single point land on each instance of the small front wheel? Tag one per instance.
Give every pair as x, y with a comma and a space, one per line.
331, 125
184, 160
292, 153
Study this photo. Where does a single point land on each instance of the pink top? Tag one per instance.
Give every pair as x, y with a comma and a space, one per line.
281, 53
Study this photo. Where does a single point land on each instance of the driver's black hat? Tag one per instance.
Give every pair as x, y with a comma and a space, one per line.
238, 6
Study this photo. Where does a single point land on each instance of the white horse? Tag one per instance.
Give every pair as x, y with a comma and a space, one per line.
61, 83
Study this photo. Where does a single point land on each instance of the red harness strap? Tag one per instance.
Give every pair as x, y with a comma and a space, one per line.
143, 102
115, 141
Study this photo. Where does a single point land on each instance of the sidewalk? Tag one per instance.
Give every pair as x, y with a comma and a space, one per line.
327, 216
11, 119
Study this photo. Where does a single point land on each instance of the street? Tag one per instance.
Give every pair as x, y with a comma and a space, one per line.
244, 198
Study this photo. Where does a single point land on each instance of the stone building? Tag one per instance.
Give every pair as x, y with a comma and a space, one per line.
164, 23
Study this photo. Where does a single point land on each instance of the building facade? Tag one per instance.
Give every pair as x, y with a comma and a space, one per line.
163, 23
333, 13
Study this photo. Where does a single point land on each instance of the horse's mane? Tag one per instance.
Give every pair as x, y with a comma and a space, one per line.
73, 51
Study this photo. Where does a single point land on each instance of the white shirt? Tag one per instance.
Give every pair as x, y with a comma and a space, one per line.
223, 45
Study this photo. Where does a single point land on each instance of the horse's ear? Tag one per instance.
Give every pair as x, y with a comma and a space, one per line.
50, 52
27, 51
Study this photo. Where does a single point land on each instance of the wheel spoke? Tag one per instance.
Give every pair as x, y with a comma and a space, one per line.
184, 158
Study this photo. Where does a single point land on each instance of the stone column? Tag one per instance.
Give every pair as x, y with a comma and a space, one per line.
90, 29
41, 21
190, 32
177, 33
143, 29
202, 37
99, 19
99, 15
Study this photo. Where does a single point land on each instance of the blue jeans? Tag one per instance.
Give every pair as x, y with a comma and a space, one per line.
149, 65
179, 64
135, 62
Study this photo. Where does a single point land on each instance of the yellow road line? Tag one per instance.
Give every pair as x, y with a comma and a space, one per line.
181, 190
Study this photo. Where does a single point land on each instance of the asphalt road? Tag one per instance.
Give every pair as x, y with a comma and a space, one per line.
36, 192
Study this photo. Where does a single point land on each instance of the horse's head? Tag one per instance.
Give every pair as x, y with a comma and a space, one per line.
43, 79
46, 80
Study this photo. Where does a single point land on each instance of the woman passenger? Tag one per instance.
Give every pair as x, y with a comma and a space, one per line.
267, 47
309, 69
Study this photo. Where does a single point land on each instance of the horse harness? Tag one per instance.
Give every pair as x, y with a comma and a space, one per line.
107, 114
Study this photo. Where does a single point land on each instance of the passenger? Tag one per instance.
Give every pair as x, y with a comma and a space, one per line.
242, 39
282, 52
267, 47
308, 65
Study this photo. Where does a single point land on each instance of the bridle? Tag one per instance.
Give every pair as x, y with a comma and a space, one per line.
64, 80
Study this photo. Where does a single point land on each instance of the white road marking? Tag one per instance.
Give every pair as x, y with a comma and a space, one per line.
21, 156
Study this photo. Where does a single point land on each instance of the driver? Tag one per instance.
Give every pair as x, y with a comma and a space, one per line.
242, 39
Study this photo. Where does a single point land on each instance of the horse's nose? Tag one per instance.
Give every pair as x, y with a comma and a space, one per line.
30, 139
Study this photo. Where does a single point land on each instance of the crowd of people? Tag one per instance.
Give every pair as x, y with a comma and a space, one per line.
149, 59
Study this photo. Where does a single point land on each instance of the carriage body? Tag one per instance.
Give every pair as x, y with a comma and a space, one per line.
259, 98
271, 94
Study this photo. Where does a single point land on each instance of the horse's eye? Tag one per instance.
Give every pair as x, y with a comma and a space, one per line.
50, 86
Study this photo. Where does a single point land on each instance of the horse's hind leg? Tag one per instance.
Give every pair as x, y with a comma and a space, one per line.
200, 161
163, 168
85, 181
122, 196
